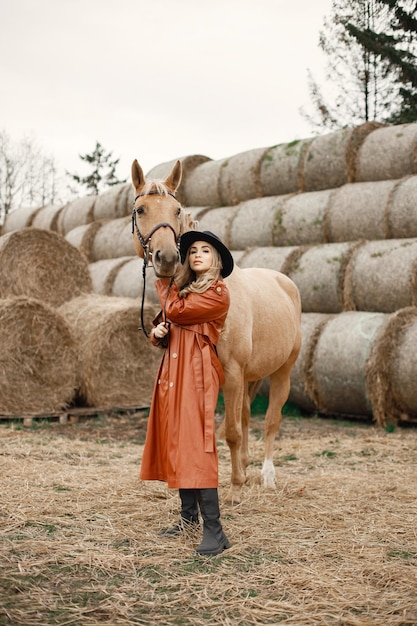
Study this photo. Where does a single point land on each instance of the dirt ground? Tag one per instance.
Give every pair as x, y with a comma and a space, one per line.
334, 543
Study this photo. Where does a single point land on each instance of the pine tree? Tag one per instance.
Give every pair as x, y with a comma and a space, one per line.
397, 49
365, 80
103, 173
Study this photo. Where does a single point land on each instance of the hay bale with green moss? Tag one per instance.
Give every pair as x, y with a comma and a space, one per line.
202, 186
189, 164
108, 205
402, 213
19, 218
253, 223
38, 358
339, 365
47, 217
41, 264
301, 219
274, 258
118, 364
325, 162
239, 177
319, 273
382, 275
76, 213
303, 390
359, 211
219, 221
387, 153
281, 168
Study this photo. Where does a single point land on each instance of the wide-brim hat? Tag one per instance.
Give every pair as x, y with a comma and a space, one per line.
187, 239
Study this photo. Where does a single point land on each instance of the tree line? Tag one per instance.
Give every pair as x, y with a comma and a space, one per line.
371, 75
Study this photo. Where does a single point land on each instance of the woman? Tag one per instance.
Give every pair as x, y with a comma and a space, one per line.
180, 446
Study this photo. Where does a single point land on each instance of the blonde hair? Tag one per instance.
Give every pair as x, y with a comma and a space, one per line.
188, 281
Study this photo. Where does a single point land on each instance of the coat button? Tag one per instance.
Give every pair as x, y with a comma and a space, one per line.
218, 289
174, 356
171, 384
159, 381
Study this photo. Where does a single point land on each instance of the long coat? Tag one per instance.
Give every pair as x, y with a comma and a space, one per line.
180, 446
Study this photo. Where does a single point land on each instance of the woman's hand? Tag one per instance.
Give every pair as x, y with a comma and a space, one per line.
160, 331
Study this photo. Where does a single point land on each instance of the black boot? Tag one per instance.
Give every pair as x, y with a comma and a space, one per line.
189, 514
214, 539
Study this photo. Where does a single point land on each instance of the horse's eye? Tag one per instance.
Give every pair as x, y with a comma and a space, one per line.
140, 210
178, 211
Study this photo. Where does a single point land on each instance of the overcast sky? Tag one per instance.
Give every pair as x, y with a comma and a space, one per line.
157, 79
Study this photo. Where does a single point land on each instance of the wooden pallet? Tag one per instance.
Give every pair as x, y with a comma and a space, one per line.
71, 415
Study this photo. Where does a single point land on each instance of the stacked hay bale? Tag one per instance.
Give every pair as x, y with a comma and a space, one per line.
336, 213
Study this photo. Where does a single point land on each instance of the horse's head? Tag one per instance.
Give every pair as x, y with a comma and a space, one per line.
157, 219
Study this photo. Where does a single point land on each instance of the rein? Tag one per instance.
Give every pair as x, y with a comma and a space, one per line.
147, 253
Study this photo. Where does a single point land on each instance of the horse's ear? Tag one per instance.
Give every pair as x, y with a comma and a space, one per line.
173, 180
138, 179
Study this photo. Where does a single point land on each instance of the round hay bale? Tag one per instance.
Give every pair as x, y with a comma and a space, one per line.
219, 222
402, 214
188, 163
118, 363
391, 369
108, 205
253, 223
106, 242
104, 272
47, 217
126, 200
359, 211
125, 244
319, 273
128, 281
340, 360
387, 153
269, 257
82, 237
38, 358
325, 162
300, 219
41, 264
382, 275
302, 391
76, 213
239, 177
19, 218
202, 186
280, 168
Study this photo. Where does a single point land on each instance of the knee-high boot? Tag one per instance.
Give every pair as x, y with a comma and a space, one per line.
189, 513
214, 540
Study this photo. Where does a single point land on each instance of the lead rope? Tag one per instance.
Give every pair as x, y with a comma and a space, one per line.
144, 243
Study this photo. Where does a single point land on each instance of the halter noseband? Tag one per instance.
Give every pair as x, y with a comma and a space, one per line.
145, 241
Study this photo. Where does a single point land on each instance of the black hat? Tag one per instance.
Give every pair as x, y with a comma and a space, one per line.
194, 235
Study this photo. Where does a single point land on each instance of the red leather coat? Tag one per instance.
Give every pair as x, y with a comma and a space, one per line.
180, 446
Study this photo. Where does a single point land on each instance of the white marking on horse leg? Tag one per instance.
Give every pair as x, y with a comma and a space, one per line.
268, 474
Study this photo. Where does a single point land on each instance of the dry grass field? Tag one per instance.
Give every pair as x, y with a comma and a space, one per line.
335, 543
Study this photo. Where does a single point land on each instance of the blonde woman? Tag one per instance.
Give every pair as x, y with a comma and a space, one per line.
180, 446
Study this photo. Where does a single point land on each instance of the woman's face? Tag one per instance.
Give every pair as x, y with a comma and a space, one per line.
200, 257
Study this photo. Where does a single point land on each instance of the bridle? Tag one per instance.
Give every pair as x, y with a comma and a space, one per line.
147, 252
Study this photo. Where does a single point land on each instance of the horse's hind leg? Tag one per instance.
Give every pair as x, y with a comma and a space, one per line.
279, 389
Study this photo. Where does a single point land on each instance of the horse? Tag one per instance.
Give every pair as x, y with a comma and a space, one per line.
262, 332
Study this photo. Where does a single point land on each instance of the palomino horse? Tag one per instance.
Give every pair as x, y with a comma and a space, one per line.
262, 333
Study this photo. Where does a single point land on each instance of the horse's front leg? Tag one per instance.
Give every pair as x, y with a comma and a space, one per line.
233, 392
